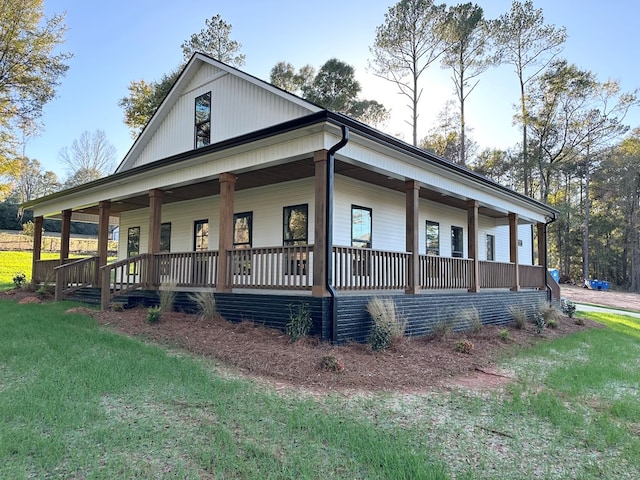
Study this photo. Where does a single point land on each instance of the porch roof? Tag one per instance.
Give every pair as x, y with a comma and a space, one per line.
128, 190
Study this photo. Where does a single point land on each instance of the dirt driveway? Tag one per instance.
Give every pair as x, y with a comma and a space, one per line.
609, 298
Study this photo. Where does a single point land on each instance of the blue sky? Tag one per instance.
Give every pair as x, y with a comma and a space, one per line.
118, 41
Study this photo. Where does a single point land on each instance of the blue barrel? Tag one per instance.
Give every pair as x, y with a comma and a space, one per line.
555, 273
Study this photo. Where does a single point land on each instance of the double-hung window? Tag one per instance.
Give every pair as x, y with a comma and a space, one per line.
361, 230
201, 235
491, 247
295, 232
433, 238
242, 238
457, 242
133, 247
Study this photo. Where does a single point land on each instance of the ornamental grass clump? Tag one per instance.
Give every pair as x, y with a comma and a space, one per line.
300, 321
388, 325
205, 303
167, 296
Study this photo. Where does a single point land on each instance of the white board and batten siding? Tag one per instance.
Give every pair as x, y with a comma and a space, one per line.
231, 98
267, 204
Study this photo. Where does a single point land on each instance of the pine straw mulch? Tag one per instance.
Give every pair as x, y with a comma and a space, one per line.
268, 355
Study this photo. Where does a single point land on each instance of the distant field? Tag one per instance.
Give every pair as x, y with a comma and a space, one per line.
50, 243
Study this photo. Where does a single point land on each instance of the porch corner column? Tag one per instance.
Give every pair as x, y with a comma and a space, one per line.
472, 225
225, 239
65, 234
155, 222
319, 287
513, 249
412, 191
37, 248
542, 244
103, 239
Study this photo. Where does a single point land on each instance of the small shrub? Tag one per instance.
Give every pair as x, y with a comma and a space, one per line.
332, 363
117, 307
569, 308
578, 321
154, 314
552, 323
540, 322
20, 280
29, 228
46, 290
548, 311
472, 320
206, 304
300, 321
519, 317
388, 326
464, 346
167, 296
504, 334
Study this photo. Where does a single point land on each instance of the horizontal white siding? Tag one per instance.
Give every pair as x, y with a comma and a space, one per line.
267, 204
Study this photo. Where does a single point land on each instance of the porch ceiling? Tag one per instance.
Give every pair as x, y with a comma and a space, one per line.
293, 170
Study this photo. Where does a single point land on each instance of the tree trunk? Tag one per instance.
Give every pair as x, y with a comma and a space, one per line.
585, 230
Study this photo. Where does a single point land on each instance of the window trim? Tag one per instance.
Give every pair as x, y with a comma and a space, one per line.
369, 243
199, 124
163, 228
295, 241
457, 253
196, 236
237, 216
490, 240
435, 251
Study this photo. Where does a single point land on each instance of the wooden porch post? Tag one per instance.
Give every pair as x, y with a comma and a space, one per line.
103, 239
155, 222
225, 240
412, 191
65, 234
513, 249
37, 247
319, 288
472, 225
542, 244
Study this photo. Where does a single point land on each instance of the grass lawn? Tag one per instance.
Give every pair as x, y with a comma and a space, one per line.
12, 263
77, 401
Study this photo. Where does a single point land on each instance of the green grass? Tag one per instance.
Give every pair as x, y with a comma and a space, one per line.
12, 263
80, 402
77, 401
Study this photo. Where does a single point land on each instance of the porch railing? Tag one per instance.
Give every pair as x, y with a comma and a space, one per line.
287, 267
44, 270
186, 269
364, 269
532, 276
444, 272
497, 274
74, 275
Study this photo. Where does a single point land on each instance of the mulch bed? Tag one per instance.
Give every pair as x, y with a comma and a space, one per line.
411, 365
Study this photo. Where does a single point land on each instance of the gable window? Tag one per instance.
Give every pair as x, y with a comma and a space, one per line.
165, 237
360, 227
491, 247
295, 232
201, 235
203, 120
433, 238
457, 245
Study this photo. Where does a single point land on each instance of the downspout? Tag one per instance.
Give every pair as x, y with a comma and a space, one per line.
329, 232
546, 256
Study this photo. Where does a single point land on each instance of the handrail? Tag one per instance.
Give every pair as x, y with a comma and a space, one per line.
123, 276
365, 268
282, 267
74, 275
